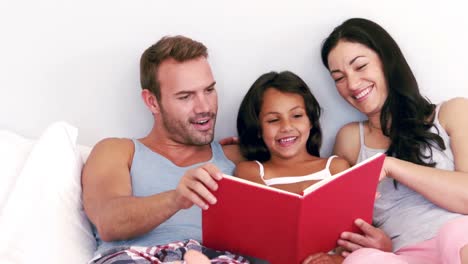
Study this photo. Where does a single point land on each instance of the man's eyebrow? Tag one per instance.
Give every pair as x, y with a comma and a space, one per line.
210, 86
184, 92
192, 92
350, 62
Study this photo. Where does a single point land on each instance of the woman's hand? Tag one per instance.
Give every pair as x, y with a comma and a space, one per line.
372, 237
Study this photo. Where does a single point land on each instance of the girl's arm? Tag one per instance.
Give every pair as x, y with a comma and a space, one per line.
447, 189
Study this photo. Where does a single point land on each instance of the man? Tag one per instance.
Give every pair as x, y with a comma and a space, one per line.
142, 192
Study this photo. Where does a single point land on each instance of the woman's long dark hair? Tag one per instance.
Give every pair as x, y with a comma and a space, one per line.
249, 130
406, 115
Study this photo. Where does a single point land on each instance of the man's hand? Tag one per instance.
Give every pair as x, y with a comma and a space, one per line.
372, 238
196, 185
229, 141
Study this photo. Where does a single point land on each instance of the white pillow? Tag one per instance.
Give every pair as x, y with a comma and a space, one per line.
14, 149
43, 220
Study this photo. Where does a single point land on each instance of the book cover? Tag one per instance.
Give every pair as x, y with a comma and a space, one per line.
282, 227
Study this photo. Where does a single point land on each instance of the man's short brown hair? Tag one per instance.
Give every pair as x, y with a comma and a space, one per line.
179, 48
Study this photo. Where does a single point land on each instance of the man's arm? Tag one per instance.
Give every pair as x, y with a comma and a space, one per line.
233, 153
108, 199
107, 194
229, 141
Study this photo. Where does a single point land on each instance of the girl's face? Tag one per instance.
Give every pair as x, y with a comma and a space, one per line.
285, 124
358, 75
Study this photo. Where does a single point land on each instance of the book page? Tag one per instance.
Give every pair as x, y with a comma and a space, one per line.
333, 177
262, 186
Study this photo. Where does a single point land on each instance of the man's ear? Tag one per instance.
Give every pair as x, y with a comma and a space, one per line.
150, 101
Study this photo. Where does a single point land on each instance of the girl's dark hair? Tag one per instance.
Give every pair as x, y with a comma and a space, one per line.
406, 115
252, 145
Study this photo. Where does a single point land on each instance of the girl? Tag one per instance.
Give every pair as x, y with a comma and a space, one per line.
280, 135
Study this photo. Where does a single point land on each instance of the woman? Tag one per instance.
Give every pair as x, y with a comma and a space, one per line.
424, 186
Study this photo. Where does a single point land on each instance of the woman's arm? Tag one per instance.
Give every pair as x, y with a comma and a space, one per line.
447, 189
371, 237
338, 165
347, 145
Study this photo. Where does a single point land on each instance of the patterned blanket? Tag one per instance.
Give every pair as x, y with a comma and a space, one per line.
172, 252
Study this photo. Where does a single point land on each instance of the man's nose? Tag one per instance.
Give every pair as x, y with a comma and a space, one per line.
202, 104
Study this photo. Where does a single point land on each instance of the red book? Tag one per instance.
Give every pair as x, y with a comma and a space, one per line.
282, 227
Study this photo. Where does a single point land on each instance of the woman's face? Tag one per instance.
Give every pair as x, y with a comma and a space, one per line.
358, 75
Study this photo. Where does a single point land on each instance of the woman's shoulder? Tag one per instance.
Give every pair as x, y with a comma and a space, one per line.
348, 142
451, 113
351, 125
349, 130
453, 106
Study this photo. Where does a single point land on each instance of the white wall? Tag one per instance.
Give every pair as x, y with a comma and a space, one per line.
78, 60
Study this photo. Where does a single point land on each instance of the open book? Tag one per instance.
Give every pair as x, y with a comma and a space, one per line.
282, 227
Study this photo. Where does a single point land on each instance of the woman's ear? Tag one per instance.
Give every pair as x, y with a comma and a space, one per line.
150, 101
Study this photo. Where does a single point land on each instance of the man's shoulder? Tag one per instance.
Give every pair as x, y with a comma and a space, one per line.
115, 144
112, 147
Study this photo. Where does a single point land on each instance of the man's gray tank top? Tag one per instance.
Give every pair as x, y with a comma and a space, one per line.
152, 173
405, 215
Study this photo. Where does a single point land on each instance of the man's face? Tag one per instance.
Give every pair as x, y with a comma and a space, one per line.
189, 102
